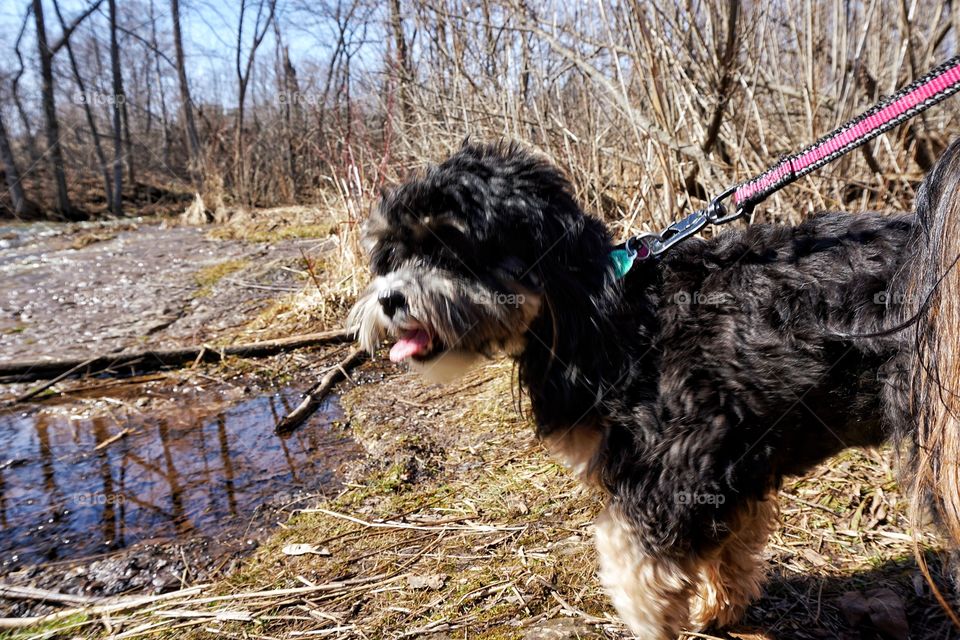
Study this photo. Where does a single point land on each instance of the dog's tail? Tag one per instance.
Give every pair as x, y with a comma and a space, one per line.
935, 390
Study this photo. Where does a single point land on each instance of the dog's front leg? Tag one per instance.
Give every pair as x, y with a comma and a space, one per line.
731, 576
652, 594
658, 596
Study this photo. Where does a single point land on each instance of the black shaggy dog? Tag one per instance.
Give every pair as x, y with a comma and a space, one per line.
688, 389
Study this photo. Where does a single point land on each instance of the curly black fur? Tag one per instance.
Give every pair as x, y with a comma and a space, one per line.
716, 370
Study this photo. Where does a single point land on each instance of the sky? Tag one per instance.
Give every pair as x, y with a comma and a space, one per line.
209, 28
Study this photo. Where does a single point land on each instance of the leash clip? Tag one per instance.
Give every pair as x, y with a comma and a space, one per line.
717, 211
650, 245
680, 231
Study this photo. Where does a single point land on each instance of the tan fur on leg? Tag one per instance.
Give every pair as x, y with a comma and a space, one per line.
651, 594
733, 575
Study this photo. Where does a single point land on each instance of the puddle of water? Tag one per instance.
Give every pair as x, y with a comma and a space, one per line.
69, 490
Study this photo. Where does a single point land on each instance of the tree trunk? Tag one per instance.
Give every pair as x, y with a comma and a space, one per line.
260, 27
31, 140
88, 110
117, 106
238, 163
402, 62
127, 139
163, 98
186, 104
54, 150
290, 109
11, 172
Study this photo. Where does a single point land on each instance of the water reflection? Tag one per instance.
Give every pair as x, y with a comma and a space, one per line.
69, 488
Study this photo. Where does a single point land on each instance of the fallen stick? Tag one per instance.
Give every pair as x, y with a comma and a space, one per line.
109, 605
151, 360
109, 441
315, 395
474, 528
37, 390
15, 592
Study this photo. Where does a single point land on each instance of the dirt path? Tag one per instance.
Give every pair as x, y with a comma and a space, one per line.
91, 290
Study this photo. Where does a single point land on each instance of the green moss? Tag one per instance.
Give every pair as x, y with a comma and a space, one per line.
261, 233
54, 629
20, 328
207, 277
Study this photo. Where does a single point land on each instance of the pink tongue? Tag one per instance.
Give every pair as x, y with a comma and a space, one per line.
412, 343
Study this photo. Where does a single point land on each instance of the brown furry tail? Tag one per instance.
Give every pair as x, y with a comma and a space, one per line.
935, 389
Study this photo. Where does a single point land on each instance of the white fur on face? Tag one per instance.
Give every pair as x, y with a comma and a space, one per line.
445, 307
366, 319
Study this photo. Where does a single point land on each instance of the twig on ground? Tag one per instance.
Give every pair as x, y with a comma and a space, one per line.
24, 371
477, 528
109, 441
40, 388
313, 398
43, 595
108, 605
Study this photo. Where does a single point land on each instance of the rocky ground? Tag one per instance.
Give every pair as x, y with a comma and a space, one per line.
95, 288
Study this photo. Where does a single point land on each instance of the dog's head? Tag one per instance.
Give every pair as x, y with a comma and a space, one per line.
467, 256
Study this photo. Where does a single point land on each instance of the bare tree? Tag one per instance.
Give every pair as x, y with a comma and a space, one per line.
118, 98
260, 26
290, 107
402, 63
164, 119
15, 92
11, 172
649, 106
88, 111
186, 104
54, 150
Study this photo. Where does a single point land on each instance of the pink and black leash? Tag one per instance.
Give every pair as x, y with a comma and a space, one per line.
934, 87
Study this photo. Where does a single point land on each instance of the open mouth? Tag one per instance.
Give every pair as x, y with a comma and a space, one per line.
414, 342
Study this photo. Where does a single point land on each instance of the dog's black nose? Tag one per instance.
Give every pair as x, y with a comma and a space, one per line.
391, 301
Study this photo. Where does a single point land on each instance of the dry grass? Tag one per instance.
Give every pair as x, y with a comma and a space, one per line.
336, 270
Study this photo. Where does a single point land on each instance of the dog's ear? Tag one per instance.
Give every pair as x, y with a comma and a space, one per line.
442, 225
373, 227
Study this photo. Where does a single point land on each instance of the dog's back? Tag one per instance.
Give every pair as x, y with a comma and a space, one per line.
790, 322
